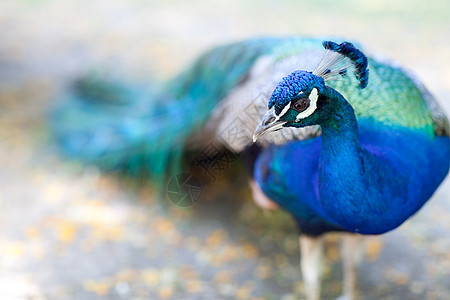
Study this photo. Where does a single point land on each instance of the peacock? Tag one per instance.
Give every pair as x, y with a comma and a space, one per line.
340, 150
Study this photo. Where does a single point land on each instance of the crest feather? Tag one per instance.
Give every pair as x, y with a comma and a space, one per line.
339, 60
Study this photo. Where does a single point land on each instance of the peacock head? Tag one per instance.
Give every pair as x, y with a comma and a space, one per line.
301, 98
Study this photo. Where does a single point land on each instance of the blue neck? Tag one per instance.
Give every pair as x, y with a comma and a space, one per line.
352, 187
340, 129
340, 143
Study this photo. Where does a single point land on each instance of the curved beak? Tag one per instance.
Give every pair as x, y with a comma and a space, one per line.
268, 123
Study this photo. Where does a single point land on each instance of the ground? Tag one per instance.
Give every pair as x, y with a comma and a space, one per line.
68, 232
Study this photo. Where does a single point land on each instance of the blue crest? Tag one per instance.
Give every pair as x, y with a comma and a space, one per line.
291, 85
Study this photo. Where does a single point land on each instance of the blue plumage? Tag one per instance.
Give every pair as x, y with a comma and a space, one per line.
416, 164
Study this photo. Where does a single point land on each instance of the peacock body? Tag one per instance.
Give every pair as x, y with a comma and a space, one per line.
350, 153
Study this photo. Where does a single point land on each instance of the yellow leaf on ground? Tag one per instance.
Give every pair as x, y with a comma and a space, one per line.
194, 286
243, 293
223, 276
373, 249
250, 250
216, 238
100, 287
151, 277
164, 226
66, 231
165, 292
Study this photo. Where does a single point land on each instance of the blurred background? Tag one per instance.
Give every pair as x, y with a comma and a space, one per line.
68, 232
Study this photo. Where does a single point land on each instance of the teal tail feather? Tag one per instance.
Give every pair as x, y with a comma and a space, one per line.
120, 126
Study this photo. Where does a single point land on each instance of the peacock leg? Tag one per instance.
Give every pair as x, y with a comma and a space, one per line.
260, 198
351, 252
311, 257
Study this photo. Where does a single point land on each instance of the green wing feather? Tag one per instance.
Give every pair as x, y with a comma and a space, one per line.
393, 98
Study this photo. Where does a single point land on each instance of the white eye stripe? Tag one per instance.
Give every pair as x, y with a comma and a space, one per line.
312, 106
285, 109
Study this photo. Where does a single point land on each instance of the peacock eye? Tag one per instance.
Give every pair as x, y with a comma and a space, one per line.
300, 104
